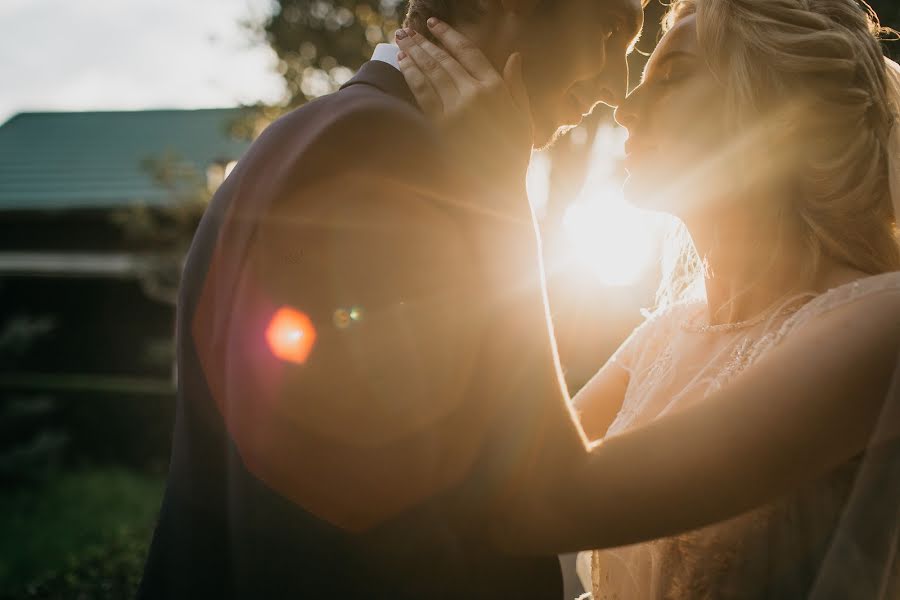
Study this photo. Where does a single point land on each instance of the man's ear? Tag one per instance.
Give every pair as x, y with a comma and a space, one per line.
520, 7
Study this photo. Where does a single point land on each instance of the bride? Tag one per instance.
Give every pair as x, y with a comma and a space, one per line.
771, 129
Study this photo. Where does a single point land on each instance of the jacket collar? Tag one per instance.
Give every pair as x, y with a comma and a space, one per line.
384, 77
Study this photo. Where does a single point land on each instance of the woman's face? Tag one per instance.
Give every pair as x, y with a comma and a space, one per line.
675, 126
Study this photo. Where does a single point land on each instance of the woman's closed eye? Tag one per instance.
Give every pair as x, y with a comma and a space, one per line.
673, 77
674, 73
673, 68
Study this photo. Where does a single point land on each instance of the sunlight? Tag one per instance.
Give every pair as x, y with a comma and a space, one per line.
537, 183
605, 236
614, 242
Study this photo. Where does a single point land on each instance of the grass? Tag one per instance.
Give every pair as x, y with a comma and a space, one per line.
82, 534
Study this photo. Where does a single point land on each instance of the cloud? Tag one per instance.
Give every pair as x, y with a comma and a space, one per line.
127, 54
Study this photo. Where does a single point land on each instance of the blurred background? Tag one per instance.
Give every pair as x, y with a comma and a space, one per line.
119, 121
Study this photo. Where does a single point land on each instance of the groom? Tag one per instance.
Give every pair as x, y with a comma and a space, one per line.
366, 372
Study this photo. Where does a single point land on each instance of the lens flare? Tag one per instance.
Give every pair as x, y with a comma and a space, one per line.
291, 335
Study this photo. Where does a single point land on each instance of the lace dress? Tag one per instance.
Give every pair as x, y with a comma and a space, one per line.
771, 552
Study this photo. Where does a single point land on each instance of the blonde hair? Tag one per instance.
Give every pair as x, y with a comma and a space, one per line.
824, 58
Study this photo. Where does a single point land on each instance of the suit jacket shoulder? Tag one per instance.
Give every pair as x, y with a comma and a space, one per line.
359, 127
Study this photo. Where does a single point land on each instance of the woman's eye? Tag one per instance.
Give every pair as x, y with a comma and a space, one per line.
672, 77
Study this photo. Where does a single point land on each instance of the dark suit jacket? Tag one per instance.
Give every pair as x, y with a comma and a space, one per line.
363, 363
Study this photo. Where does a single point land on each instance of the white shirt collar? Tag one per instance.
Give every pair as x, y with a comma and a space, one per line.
387, 53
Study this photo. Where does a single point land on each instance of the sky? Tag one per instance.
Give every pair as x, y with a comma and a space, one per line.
132, 54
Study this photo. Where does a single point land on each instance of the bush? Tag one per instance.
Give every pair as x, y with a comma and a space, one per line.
108, 571
83, 534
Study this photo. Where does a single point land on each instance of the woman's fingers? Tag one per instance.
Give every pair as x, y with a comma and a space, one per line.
458, 74
464, 50
433, 71
418, 83
446, 90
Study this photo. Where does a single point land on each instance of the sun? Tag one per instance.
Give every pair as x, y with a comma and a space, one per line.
609, 239
604, 236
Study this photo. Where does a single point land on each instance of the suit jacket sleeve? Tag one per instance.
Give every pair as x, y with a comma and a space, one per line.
388, 322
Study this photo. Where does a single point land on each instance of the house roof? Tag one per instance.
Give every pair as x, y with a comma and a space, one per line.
95, 160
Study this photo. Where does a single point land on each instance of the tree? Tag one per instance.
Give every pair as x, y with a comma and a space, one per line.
168, 228
889, 13
321, 43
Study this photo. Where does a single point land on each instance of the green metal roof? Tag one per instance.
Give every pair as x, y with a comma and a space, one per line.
97, 159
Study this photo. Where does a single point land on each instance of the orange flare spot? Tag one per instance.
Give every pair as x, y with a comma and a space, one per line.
291, 335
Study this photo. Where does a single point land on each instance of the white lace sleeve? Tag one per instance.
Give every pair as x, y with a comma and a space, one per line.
647, 356
647, 339
626, 355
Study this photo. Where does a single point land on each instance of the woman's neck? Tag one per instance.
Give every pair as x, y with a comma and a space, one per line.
750, 268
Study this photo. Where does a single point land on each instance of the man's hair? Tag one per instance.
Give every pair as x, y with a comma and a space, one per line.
453, 12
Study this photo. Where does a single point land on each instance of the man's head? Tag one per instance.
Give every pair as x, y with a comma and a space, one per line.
574, 50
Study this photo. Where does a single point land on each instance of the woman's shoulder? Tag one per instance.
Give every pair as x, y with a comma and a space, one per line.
869, 296
852, 292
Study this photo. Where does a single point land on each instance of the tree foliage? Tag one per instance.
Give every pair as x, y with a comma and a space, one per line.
321, 43
169, 228
889, 13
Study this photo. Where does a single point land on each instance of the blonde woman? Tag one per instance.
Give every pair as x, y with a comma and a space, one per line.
771, 129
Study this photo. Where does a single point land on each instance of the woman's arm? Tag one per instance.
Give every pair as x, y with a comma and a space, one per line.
807, 407
600, 400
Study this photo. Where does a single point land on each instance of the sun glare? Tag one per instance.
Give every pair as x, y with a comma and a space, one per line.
606, 236
610, 240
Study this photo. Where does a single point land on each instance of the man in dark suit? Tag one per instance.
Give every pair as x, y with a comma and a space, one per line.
366, 372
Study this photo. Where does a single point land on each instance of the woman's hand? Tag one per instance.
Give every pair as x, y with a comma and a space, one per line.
486, 116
